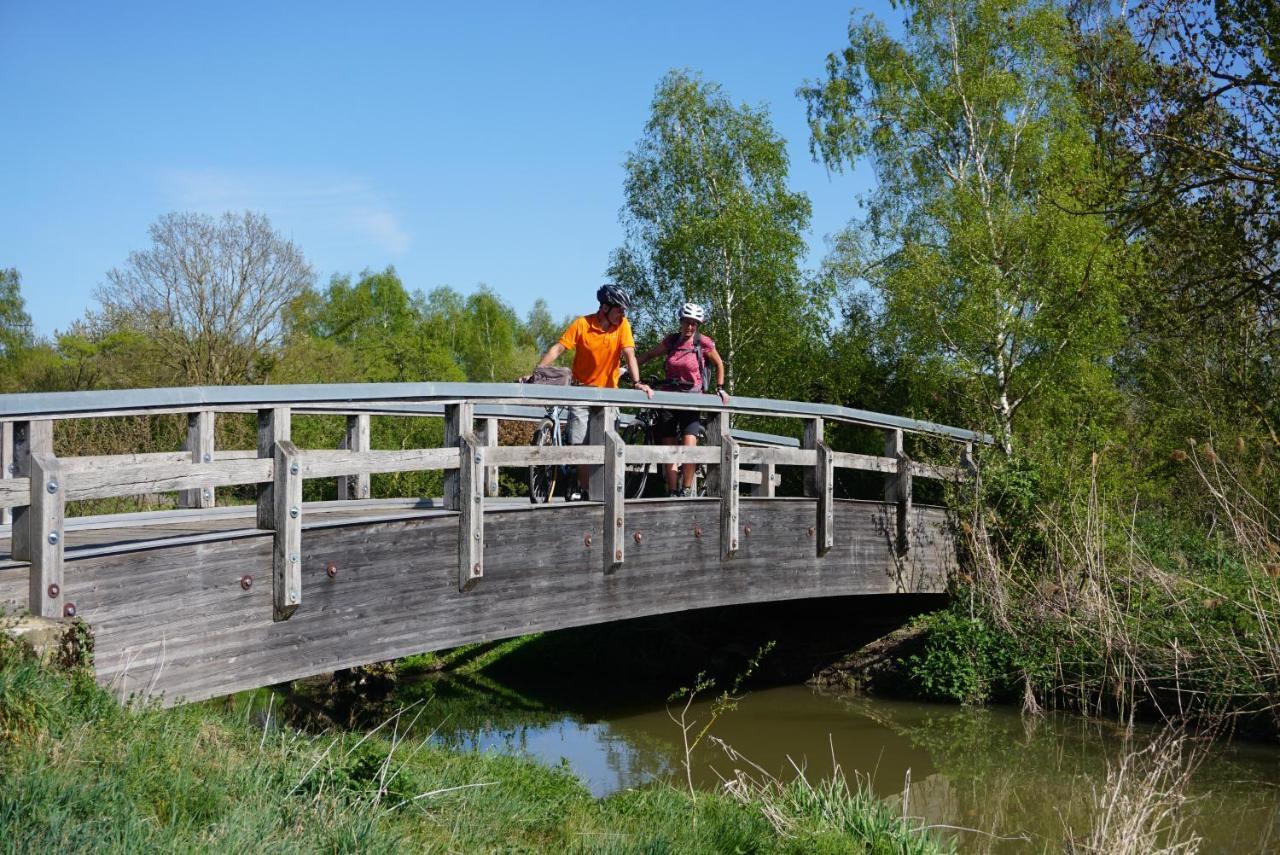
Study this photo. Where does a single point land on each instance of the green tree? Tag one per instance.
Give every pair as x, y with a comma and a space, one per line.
971, 240
15, 324
710, 219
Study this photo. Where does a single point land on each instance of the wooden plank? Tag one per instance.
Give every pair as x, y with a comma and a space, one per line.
814, 433
543, 455
28, 438
7, 468
489, 439
470, 511
824, 484
897, 490
762, 481
778, 456
677, 454
46, 593
601, 420
14, 492
864, 462
286, 553
165, 477
615, 500
931, 470
72, 465
273, 426
326, 464
199, 449
722, 481
459, 420
355, 485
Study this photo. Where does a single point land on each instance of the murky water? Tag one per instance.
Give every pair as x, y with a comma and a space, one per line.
1017, 784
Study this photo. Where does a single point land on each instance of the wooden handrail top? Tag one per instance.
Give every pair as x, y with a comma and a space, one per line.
407, 397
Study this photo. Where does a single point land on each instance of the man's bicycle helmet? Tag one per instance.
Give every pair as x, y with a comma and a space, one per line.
612, 295
692, 312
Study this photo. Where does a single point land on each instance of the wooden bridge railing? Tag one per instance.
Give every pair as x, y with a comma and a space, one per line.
37, 485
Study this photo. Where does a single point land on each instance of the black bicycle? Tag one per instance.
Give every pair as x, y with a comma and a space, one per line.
544, 481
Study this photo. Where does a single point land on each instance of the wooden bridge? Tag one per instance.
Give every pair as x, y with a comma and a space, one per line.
204, 600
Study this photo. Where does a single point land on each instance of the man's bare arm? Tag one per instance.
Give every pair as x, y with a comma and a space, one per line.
629, 354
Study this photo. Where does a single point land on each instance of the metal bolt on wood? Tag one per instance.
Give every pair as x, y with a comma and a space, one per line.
475, 571
69, 610
52, 486
618, 522
54, 591
293, 469
697, 532
586, 540
638, 536
293, 557
208, 458
53, 538
246, 582
293, 596
294, 511
331, 569
617, 556
746, 529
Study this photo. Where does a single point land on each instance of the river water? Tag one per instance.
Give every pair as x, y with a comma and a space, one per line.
1017, 784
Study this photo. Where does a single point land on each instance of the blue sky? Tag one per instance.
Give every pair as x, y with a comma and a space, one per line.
461, 143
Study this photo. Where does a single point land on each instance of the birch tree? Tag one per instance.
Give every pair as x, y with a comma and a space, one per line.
972, 237
710, 219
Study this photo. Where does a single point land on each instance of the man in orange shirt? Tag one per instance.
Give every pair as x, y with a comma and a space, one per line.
597, 340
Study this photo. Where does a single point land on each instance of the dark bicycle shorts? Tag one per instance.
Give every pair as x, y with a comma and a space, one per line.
681, 423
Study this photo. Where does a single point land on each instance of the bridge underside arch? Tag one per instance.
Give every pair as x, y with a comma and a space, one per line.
189, 616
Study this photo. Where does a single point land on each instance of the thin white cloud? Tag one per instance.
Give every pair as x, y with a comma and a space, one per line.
329, 206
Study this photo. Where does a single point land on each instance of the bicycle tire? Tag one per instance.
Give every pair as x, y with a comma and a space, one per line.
542, 479
637, 475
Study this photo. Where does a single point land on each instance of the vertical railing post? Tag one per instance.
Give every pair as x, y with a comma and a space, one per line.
765, 489
200, 443
613, 492
459, 420
490, 440
7, 468
286, 558
273, 426
45, 523
28, 438
825, 487
355, 438
814, 433
897, 489
723, 481
464, 491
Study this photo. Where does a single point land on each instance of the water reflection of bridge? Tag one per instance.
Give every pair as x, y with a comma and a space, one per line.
205, 600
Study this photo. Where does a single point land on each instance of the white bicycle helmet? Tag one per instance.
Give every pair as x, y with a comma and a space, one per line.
692, 312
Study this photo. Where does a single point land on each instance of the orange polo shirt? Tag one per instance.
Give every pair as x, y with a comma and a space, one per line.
596, 351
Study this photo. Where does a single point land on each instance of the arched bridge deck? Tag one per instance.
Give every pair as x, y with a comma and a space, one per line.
206, 600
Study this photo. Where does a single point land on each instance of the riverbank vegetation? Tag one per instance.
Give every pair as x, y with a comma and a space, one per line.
83, 773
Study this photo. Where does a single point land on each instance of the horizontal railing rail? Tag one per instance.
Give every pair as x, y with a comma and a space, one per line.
37, 484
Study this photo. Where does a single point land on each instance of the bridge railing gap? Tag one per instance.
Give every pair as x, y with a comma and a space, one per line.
37, 485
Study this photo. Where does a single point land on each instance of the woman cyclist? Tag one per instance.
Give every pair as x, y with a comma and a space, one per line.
687, 353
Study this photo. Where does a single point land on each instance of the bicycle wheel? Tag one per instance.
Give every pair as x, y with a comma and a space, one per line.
637, 473
542, 479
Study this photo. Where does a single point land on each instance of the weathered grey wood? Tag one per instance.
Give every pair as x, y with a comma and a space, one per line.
602, 419
814, 432
198, 448
614, 478
459, 420
752, 455
677, 454
14, 492
543, 455
722, 481
470, 511
824, 485
864, 462
762, 480
897, 489
28, 438
325, 464
273, 426
46, 594
286, 553
355, 486
165, 477
490, 440
7, 469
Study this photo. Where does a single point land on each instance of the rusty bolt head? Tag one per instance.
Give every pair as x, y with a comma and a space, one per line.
475, 571
586, 539
811, 531
246, 582
69, 610
638, 536
746, 529
697, 532
617, 556
332, 569
54, 591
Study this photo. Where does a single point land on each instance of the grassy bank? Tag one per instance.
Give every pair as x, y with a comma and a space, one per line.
82, 773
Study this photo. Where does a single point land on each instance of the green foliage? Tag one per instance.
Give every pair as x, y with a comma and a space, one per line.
710, 219
965, 659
